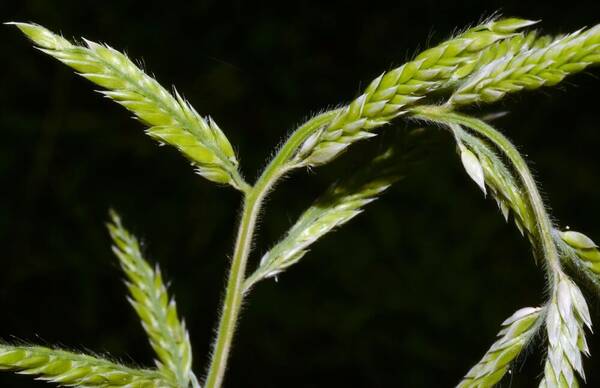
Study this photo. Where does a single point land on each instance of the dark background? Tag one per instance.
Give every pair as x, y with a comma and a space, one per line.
409, 294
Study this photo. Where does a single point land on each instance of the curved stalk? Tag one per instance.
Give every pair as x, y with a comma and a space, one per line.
543, 223
254, 198
566, 312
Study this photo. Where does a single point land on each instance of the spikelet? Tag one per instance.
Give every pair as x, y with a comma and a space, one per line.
472, 166
171, 119
545, 64
483, 64
338, 206
517, 331
581, 248
148, 296
566, 319
502, 184
389, 94
343, 201
506, 47
70, 369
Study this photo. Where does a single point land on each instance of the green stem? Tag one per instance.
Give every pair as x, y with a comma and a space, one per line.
255, 196
239, 183
543, 223
233, 298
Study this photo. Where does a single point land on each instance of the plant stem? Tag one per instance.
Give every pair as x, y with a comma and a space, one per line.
543, 223
254, 198
233, 298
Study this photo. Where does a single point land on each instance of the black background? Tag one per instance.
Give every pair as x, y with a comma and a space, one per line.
409, 294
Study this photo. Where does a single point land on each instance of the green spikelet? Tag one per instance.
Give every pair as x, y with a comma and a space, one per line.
516, 333
76, 370
502, 184
566, 319
168, 336
545, 64
334, 209
505, 48
389, 94
481, 64
583, 249
172, 120
340, 203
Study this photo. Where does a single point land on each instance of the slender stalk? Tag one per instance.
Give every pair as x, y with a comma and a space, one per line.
544, 225
255, 195
233, 296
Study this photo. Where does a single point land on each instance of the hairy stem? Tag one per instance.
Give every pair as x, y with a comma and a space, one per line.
233, 296
543, 223
234, 293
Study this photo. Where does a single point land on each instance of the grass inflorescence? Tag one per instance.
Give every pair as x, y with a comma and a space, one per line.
483, 64
156, 310
517, 331
75, 369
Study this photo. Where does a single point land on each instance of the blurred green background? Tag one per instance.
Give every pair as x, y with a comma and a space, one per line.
409, 294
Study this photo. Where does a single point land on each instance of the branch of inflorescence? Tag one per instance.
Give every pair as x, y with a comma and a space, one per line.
254, 197
443, 115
